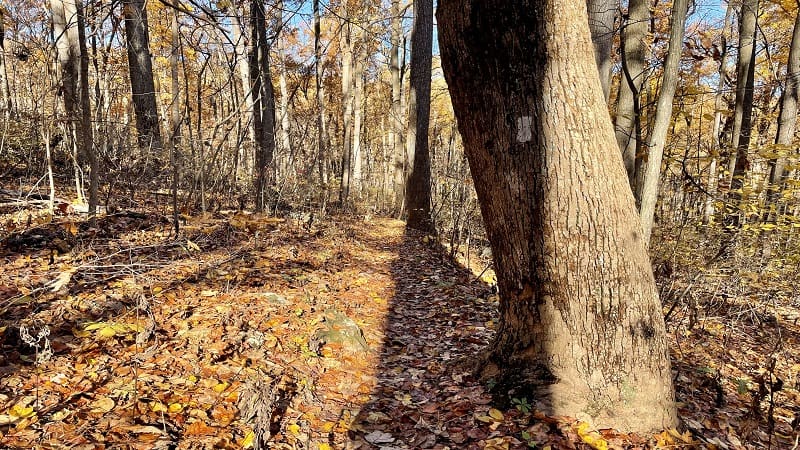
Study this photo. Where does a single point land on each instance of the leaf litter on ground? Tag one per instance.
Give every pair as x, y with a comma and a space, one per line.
254, 332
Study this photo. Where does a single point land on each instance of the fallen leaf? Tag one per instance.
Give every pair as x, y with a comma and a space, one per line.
200, 429
496, 414
102, 405
379, 437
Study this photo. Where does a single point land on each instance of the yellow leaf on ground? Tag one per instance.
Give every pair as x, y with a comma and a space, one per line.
248, 440
175, 407
220, 387
102, 405
496, 414
293, 428
107, 332
21, 411
592, 438
158, 407
324, 446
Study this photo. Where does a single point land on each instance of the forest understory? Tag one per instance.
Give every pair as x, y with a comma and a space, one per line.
344, 331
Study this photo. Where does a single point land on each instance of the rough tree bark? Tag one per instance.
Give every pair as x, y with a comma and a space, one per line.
658, 136
581, 327
418, 187
601, 24
140, 69
633, 38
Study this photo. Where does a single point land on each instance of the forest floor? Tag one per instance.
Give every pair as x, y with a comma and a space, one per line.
342, 333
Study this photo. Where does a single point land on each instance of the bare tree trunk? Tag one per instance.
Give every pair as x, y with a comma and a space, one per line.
358, 110
346, 50
633, 40
658, 136
742, 122
175, 119
581, 328
73, 60
322, 152
399, 153
85, 114
418, 189
285, 115
263, 103
787, 119
601, 24
720, 106
5, 92
240, 38
141, 75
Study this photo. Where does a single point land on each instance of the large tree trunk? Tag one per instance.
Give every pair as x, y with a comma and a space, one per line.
581, 324
418, 188
141, 74
263, 101
601, 25
628, 120
787, 119
658, 136
743, 115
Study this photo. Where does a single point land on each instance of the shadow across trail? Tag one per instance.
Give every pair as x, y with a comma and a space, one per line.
437, 320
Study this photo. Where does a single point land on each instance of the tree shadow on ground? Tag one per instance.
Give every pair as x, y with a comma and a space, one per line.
438, 319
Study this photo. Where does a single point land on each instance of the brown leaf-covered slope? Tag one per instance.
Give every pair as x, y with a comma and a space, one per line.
252, 331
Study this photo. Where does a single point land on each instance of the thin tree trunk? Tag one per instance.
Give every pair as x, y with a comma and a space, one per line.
263, 103
346, 50
398, 152
5, 92
85, 115
240, 38
629, 115
418, 189
601, 24
321, 132
358, 110
175, 119
581, 329
719, 105
658, 136
285, 115
787, 119
141, 75
73, 60
742, 122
